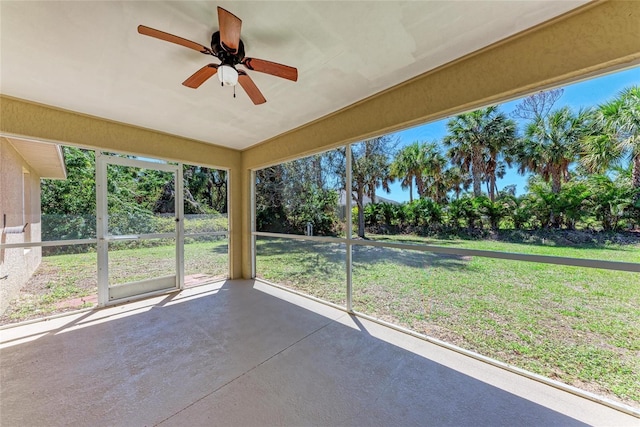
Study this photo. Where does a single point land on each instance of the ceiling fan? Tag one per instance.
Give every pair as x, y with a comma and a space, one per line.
227, 46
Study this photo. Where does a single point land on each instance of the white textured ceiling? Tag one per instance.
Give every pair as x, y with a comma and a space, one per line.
88, 57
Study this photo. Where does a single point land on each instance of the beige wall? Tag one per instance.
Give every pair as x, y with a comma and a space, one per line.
17, 264
603, 36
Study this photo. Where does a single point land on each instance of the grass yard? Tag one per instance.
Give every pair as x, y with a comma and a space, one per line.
577, 325
312, 268
69, 282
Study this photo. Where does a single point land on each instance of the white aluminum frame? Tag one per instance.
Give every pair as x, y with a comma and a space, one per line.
105, 296
101, 229
349, 241
101, 240
49, 243
253, 224
179, 198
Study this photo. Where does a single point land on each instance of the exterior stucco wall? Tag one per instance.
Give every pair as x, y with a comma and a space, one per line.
17, 265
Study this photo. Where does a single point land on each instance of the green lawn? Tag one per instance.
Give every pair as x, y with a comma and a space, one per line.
577, 325
62, 282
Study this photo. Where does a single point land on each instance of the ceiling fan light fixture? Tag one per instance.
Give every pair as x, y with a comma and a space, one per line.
227, 46
227, 75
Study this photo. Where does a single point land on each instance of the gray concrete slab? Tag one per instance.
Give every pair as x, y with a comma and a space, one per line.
245, 353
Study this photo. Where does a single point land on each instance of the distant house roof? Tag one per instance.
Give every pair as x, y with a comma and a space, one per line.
45, 158
342, 201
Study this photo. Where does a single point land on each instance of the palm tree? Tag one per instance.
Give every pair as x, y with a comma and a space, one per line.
406, 166
478, 138
551, 144
370, 169
619, 123
433, 179
598, 152
457, 180
609, 199
494, 169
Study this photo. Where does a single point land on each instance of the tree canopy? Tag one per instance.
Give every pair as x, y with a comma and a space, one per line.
584, 171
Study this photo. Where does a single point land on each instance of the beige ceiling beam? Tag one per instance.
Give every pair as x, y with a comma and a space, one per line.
598, 37
41, 122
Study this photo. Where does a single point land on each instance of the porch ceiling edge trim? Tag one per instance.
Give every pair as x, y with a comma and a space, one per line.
22, 118
597, 38
46, 159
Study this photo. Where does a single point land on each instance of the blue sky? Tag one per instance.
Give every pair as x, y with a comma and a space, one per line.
578, 95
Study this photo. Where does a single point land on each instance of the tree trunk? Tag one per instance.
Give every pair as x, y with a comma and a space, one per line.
492, 187
556, 181
360, 204
317, 169
635, 172
420, 186
411, 191
476, 174
210, 194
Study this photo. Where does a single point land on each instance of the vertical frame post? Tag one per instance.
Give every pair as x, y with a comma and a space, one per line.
230, 229
102, 229
253, 223
349, 258
179, 209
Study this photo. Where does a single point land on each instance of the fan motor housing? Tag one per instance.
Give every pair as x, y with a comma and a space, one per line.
225, 56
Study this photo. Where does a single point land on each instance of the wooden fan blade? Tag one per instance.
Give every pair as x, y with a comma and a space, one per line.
272, 68
230, 26
201, 76
250, 87
173, 39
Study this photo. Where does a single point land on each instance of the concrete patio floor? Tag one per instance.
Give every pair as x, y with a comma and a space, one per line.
246, 353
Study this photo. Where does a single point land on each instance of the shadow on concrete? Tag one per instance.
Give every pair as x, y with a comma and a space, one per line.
236, 355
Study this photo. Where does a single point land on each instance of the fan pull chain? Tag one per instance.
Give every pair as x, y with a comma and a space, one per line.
234, 91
